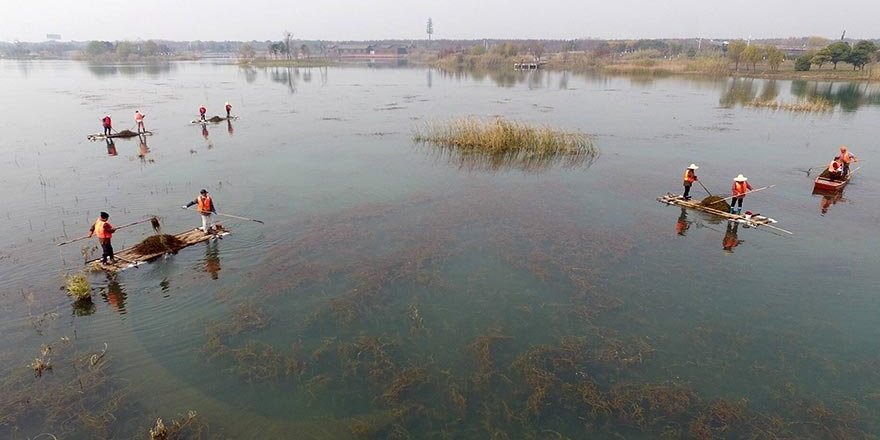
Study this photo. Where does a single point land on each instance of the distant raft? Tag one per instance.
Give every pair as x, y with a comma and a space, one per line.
745, 219
214, 119
156, 246
120, 134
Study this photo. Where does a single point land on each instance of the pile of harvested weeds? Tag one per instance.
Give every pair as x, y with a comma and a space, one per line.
717, 203
159, 243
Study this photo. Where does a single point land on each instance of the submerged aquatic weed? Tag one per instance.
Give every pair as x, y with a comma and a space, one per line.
78, 287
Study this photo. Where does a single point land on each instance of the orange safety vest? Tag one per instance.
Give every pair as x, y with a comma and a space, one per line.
205, 204
845, 157
100, 232
689, 176
740, 188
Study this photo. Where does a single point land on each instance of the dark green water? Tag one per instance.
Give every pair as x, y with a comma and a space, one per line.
397, 292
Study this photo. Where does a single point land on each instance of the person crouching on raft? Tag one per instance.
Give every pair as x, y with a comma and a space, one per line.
104, 230
741, 186
690, 177
846, 158
108, 125
835, 169
228, 110
205, 207
202, 111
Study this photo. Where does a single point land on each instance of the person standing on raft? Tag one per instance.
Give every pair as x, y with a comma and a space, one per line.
139, 120
108, 125
690, 177
739, 190
846, 158
202, 111
205, 207
228, 110
104, 231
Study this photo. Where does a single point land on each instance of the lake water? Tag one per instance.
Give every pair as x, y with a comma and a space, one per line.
396, 291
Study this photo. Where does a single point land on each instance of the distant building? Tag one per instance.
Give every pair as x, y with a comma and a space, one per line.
368, 51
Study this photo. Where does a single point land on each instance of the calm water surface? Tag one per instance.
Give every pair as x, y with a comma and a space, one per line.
397, 292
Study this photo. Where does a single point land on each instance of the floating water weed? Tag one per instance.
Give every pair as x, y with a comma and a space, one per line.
78, 287
815, 105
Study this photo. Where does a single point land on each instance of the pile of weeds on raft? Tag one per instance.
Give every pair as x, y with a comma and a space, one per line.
717, 203
159, 243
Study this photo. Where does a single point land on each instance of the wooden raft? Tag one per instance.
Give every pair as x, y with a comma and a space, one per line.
128, 258
753, 221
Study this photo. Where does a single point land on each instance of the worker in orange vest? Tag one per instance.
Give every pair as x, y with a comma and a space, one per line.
835, 169
104, 231
846, 158
205, 206
690, 177
739, 190
139, 120
202, 111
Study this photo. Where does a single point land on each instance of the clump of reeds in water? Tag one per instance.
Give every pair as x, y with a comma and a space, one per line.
78, 287
499, 143
815, 105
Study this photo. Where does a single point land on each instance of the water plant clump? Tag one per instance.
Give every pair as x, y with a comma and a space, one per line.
159, 243
78, 287
716, 202
815, 105
506, 139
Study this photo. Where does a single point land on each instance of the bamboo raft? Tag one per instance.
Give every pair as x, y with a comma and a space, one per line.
121, 135
129, 258
748, 220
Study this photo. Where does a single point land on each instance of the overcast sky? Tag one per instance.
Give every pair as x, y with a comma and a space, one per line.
31, 20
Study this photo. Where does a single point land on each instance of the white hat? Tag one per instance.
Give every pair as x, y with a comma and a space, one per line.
741, 178
693, 167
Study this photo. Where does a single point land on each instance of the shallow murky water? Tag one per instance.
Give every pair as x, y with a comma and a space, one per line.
399, 292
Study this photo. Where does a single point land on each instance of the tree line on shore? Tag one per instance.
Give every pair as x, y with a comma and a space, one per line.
858, 55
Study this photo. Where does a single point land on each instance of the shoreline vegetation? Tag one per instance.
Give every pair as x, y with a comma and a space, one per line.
812, 59
712, 66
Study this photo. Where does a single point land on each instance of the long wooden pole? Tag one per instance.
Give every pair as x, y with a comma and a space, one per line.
118, 228
749, 192
704, 187
236, 216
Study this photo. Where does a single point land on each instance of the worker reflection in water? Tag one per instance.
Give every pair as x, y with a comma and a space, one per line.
143, 149
116, 296
682, 225
730, 237
111, 147
212, 260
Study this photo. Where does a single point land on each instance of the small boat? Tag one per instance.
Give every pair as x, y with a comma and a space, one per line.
825, 184
129, 257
